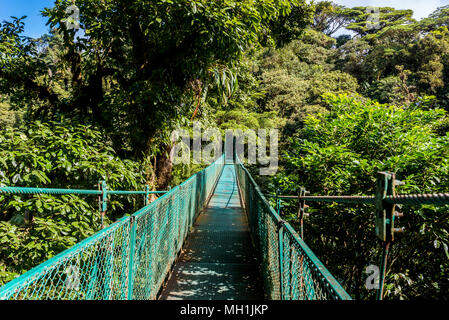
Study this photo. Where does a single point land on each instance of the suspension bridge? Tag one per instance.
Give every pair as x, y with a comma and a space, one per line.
215, 236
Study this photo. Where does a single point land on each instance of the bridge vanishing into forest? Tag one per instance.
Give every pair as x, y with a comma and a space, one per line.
215, 236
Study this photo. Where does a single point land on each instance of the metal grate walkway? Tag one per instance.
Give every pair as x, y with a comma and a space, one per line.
218, 261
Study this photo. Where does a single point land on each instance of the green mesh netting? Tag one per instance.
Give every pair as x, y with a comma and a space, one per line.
291, 271
129, 259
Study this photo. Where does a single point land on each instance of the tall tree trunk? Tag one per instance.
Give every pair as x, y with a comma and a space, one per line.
164, 168
159, 173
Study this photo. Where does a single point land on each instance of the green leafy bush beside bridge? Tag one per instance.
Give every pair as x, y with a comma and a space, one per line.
33, 228
339, 153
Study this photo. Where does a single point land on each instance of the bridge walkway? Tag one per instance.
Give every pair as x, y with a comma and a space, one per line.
218, 260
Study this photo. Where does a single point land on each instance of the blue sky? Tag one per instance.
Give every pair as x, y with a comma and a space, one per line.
421, 8
35, 23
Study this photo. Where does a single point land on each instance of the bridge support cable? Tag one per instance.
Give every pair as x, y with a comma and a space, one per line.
102, 194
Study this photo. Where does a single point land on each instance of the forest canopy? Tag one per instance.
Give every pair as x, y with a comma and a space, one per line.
79, 105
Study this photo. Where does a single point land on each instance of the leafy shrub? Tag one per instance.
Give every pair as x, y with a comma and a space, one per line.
34, 228
339, 154
8, 118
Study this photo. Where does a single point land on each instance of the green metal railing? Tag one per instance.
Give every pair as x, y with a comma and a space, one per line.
102, 194
127, 260
131, 258
291, 271
385, 201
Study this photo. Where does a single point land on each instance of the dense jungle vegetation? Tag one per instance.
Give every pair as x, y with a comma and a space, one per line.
99, 103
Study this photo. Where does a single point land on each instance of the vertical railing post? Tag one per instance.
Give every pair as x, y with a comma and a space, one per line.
384, 221
109, 278
301, 209
103, 200
234, 155
132, 243
147, 195
281, 258
383, 269
101, 253
278, 203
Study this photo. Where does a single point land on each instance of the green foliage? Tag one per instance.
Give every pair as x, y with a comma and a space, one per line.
140, 68
291, 26
439, 18
137, 69
339, 154
242, 119
363, 25
342, 39
10, 43
64, 155
401, 61
135, 66
294, 78
387, 90
277, 88
182, 172
8, 117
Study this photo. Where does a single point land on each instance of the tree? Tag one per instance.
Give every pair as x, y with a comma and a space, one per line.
293, 78
8, 117
399, 63
134, 68
291, 26
330, 17
438, 18
432, 51
339, 153
57, 155
342, 39
364, 19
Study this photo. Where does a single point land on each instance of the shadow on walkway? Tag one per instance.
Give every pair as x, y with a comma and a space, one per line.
218, 260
